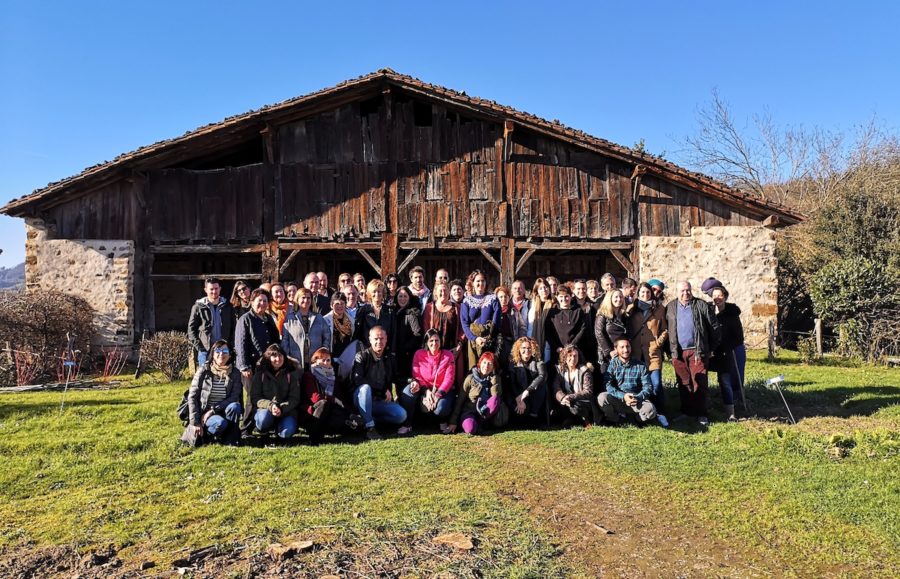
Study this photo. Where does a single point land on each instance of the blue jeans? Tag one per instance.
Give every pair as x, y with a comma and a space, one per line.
285, 425
730, 379
218, 427
376, 410
658, 396
202, 357
410, 403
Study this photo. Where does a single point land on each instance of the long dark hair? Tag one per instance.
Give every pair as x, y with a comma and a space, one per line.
266, 364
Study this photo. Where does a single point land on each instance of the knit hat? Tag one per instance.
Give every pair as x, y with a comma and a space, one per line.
656, 283
710, 284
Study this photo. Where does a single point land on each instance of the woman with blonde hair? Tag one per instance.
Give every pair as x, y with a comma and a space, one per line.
374, 313
541, 304
611, 324
240, 299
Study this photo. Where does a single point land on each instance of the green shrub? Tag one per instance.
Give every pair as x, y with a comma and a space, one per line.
806, 347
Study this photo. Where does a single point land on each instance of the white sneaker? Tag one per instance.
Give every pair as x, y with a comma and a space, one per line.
704, 421
663, 421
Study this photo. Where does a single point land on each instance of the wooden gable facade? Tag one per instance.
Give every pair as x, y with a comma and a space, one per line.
371, 176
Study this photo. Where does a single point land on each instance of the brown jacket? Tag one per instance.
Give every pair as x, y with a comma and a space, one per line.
649, 336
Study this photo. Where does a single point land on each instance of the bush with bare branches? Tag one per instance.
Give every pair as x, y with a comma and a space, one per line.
168, 352
39, 323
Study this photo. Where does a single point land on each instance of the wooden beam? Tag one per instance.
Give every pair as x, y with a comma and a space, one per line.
201, 277
467, 245
574, 245
412, 255
330, 245
288, 261
636, 259
418, 244
524, 259
490, 259
773, 222
192, 249
369, 259
270, 259
624, 261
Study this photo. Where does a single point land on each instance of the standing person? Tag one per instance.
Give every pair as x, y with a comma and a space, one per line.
541, 305
304, 331
374, 313
628, 388
352, 299
290, 288
256, 331
610, 326
565, 325
391, 285
442, 276
374, 371
527, 390
211, 320
480, 401
457, 291
553, 283
417, 285
589, 342
573, 388
607, 282
579, 290
340, 325
324, 290
359, 282
729, 358
432, 388
522, 306
629, 290
506, 336
480, 318
214, 400
409, 333
442, 315
594, 294
344, 279
320, 303
275, 394
323, 409
278, 305
240, 300
694, 333
649, 338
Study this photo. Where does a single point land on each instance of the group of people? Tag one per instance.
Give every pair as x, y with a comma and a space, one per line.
370, 354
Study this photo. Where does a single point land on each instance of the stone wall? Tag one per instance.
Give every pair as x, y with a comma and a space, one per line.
100, 271
743, 258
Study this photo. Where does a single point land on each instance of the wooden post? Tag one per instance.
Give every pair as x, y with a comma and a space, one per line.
389, 250
771, 340
507, 261
270, 259
818, 332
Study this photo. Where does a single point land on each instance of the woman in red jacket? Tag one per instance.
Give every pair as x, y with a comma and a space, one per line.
323, 411
431, 388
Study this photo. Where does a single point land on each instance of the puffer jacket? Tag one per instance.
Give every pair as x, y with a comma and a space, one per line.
281, 387
472, 390
583, 385
201, 385
436, 372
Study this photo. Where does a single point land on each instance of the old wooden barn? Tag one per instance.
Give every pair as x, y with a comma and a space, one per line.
373, 175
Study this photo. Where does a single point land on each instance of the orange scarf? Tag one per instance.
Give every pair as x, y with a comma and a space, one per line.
280, 312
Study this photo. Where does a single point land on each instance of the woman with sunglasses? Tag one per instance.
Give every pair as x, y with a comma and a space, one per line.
214, 400
240, 299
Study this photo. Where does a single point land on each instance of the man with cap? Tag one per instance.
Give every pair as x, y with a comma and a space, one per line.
694, 333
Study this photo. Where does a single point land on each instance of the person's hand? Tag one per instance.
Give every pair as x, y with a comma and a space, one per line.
207, 415
630, 400
520, 405
276, 410
414, 387
388, 397
246, 373
566, 401
198, 430
451, 428
480, 341
430, 400
613, 354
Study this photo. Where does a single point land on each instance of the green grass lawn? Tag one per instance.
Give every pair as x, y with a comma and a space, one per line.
821, 497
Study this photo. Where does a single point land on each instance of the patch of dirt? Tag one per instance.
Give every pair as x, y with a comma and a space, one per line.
606, 528
65, 561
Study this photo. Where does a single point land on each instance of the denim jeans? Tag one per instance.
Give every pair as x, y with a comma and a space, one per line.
202, 357
658, 394
285, 425
376, 410
219, 427
410, 403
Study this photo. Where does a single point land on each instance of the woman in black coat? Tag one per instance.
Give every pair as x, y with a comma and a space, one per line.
408, 333
565, 325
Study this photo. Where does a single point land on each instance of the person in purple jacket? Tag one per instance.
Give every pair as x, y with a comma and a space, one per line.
480, 318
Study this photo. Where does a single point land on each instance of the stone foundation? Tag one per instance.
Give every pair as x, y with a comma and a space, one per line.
742, 258
100, 271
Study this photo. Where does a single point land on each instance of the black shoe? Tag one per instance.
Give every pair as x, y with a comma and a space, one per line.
372, 434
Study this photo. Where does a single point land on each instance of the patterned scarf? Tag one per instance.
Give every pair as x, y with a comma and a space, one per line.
220, 371
342, 325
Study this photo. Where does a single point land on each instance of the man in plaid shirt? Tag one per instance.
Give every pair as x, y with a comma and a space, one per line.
628, 388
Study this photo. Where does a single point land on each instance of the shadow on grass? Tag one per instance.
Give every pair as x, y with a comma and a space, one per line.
863, 400
38, 408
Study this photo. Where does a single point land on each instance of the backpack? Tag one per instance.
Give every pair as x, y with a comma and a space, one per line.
184, 413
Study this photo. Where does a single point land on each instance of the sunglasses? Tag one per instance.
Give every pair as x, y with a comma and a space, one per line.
222, 351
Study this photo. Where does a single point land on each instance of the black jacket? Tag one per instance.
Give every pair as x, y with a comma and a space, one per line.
366, 320
201, 385
379, 373
530, 376
254, 334
732, 337
564, 327
200, 323
707, 331
606, 332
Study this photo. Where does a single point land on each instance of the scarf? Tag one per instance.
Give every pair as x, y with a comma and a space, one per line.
220, 371
279, 311
325, 379
342, 325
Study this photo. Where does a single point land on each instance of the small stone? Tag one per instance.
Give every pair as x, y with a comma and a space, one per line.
147, 565
281, 551
457, 540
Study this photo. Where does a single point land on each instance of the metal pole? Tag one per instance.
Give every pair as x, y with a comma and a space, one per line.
741, 382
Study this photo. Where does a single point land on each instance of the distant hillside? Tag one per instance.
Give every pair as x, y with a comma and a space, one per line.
13, 277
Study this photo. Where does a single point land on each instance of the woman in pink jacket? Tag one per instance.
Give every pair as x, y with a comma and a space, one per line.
431, 389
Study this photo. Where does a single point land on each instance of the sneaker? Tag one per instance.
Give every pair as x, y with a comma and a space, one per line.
732, 418
372, 434
443, 427
703, 421
663, 421
404, 430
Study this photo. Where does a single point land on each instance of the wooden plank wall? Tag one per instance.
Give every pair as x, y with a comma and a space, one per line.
109, 213
667, 209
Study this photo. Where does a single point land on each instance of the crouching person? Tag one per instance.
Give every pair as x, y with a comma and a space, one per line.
214, 400
323, 408
573, 389
480, 402
628, 388
372, 376
431, 388
275, 393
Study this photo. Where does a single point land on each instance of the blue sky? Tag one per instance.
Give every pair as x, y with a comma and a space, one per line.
85, 81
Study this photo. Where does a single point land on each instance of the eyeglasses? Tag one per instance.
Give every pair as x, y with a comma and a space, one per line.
222, 351
243, 289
